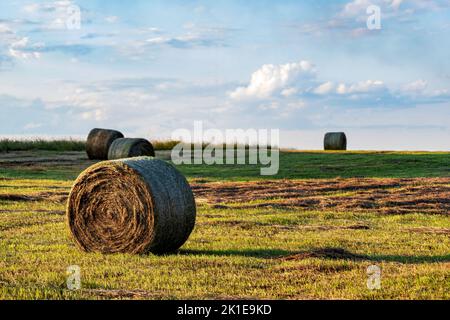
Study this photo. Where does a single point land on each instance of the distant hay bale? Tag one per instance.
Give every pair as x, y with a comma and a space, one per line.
335, 141
129, 148
99, 141
136, 206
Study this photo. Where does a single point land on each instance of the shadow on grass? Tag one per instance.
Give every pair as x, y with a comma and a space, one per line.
257, 253
409, 259
323, 253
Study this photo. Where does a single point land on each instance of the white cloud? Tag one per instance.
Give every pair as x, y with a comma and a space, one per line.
341, 89
391, 8
356, 7
97, 115
282, 86
283, 91
32, 8
273, 79
289, 92
361, 87
158, 40
49, 6
441, 92
21, 49
416, 86
325, 88
4, 28
52, 15
396, 4
197, 38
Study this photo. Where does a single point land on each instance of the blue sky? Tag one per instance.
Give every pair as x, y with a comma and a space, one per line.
304, 67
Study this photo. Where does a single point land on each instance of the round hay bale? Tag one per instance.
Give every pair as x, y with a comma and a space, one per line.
136, 205
129, 148
99, 141
335, 141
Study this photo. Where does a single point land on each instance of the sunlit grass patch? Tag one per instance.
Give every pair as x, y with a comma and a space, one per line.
235, 251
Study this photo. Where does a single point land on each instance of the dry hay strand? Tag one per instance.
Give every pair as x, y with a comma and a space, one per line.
129, 148
49, 212
335, 141
57, 197
16, 197
136, 205
386, 196
430, 230
99, 141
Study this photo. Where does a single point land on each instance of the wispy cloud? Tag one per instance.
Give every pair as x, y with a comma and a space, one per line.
352, 18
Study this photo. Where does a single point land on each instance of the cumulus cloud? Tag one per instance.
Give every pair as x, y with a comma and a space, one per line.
274, 79
294, 79
274, 89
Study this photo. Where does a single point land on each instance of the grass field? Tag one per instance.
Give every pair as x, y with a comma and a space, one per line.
63, 145
310, 232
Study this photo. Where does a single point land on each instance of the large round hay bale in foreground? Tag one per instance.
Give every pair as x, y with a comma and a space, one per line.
335, 141
136, 205
130, 148
99, 141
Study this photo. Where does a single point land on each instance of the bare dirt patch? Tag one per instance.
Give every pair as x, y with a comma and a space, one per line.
124, 294
389, 196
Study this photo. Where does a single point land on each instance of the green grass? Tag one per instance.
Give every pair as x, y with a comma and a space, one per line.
293, 165
234, 253
7, 145
312, 165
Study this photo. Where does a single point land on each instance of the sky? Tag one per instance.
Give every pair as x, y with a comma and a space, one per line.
149, 68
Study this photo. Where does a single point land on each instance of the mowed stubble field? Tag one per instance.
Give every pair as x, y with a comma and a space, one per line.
308, 233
